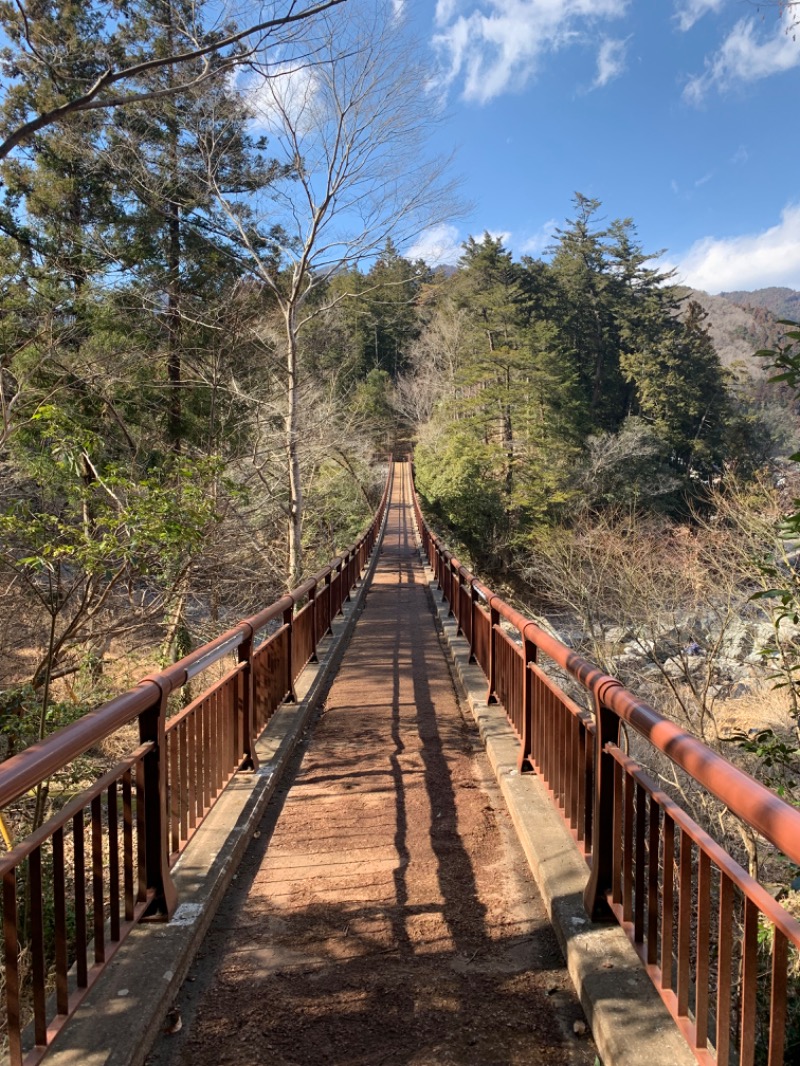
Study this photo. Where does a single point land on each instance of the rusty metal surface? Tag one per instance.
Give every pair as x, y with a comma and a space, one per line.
651, 866
109, 851
384, 919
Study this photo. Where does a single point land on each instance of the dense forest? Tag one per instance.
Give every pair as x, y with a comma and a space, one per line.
210, 341
581, 382
184, 408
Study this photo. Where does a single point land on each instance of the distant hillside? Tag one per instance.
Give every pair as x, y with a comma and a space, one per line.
783, 303
738, 331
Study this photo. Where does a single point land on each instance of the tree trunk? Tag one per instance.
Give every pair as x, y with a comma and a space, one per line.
173, 256
296, 502
174, 412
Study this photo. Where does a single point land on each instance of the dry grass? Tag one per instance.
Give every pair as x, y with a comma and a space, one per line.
764, 707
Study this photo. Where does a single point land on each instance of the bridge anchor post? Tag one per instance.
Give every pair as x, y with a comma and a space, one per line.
160, 886
525, 760
604, 825
245, 714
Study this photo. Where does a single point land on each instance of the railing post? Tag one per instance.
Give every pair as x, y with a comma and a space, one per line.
247, 707
451, 584
288, 620
473, 606
601, 877
328, 593
339, 571
312, 599
525, 759
494, 620
156, 823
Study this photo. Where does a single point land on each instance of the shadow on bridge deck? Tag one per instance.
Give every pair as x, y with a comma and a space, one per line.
385, 914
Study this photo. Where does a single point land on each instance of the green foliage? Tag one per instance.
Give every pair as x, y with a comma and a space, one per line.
777, 756
371, 404
19, 711
584, 378
457, 477
342, 496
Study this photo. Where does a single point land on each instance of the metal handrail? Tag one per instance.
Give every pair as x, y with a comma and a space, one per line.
41, 760
741, 793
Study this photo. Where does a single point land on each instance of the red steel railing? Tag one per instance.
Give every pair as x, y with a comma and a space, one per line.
718, 947
73, 889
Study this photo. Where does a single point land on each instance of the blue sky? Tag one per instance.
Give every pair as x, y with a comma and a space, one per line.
681, 114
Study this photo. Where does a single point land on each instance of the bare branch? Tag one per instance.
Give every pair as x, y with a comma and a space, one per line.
91, 99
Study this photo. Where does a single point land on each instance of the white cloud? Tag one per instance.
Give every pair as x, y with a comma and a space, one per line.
500, 48
537, 243
741, 155
690, 11
704, 180
751, 261
745, 56
437, 245
610, 61
502, 235
289, 90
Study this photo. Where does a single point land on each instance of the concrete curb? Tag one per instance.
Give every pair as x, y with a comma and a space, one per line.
120, 1019
630, 1023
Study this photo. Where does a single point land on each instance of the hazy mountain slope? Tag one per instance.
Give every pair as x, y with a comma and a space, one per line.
782, 302
737, 331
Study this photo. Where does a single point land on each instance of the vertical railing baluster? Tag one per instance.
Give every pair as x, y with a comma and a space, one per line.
98, 894
685, 913
79, 880
777, 1014
668, 904
747, 998
214, 737
724, 975
112, 812
590, 753
639, 866
653, 847
617, 850
60, 922
186, 787
702, 945
627, 852
172, 742
127, 844
11, 950
38, 966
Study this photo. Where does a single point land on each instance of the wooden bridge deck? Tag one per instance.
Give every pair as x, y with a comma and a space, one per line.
385, 913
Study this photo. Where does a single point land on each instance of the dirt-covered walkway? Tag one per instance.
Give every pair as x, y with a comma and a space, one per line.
385, 913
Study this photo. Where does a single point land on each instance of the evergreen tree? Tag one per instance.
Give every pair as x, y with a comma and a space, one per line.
169, 153
586, 319
680, 390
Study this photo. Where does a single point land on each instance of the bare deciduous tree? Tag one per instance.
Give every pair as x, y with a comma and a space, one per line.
350, 131
276, 27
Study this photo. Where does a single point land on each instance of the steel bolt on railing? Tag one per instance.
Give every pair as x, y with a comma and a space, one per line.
107, 855
651, 867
